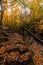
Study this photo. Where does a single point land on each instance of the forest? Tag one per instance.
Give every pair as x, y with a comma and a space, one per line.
21, 32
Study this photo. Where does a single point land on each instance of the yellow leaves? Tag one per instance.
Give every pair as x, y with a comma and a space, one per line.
10, 18
0, 15
40, 25
17, 19
35, 8
27, 19
15, 14
35, 11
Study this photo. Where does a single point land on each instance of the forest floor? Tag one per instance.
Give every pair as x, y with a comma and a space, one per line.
8, 42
